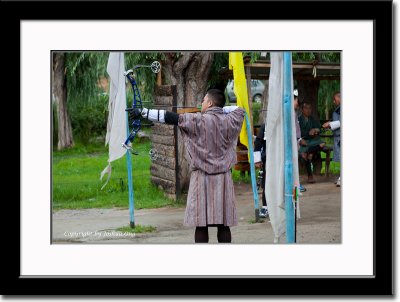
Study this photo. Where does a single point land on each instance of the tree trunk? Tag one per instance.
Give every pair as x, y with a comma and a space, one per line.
190, 73
308, 92
60, 98
326, 108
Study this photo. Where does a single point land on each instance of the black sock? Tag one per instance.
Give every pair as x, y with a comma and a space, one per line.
201, 235
264, 200
224, 234
308, 167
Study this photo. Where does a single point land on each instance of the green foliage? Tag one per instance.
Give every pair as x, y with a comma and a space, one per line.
87, 102
254, 56
145, 78
83, 70
239, 178
325, 98
253, 221
256, 112
303, 56
88, 105
220, 62
334, 167
325, 57
330, 57
89, 120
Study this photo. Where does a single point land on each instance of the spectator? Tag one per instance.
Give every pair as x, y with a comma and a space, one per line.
335, 126
297, 104
310, 142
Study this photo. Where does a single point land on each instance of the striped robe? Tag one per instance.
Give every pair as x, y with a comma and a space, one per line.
210, 140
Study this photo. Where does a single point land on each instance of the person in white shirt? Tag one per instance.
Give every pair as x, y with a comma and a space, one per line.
335, 126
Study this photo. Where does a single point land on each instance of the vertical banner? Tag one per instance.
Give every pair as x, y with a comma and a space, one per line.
277, 129
246, 134
118, 123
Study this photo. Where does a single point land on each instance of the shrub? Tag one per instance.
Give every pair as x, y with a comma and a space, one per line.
89, 120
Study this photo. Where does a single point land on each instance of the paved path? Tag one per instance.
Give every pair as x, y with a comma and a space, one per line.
320, 222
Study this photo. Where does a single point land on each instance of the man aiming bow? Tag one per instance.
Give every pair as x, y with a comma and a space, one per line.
210, 139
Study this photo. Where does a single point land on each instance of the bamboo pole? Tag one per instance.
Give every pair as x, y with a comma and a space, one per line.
287, 126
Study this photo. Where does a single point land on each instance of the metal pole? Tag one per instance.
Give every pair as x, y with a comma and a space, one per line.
252, 167
287, 126
130, 183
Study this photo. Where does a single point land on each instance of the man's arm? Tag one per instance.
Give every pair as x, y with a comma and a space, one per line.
187, 122
161, 116
303, 130
332, 125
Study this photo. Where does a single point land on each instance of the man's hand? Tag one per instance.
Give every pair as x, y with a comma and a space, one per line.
134, 113
258, 165
144, 112
326, 125
314, 132
228, 109
303, 142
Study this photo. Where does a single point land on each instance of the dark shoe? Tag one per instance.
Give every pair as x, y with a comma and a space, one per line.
264, 212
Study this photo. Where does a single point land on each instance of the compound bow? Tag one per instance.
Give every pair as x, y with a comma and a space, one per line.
137, 106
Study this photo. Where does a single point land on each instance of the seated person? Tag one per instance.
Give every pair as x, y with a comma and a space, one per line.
310, 143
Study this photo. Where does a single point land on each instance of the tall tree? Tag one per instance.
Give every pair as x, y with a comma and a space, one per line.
190, 72
65, 139
264, 102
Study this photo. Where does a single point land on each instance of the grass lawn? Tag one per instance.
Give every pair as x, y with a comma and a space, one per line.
77, 185
137, 229
334, 167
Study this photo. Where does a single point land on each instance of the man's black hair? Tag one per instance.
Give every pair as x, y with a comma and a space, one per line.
300, 103
336, 93
304, 104
217, 97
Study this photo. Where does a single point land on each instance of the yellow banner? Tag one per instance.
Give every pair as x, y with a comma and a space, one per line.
240, 90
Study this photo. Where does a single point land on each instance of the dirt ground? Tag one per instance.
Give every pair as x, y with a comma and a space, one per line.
320, 221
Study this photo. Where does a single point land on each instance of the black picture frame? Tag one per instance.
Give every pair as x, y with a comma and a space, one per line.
379, 11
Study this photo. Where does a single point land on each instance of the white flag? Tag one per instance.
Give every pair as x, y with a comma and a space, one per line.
275, 149
116, 125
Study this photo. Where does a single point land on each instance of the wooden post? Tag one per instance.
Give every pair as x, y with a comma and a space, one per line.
175, 109
163, 167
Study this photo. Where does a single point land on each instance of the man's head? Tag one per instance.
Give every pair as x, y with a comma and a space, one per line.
213, 98
306, 109
336, 98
